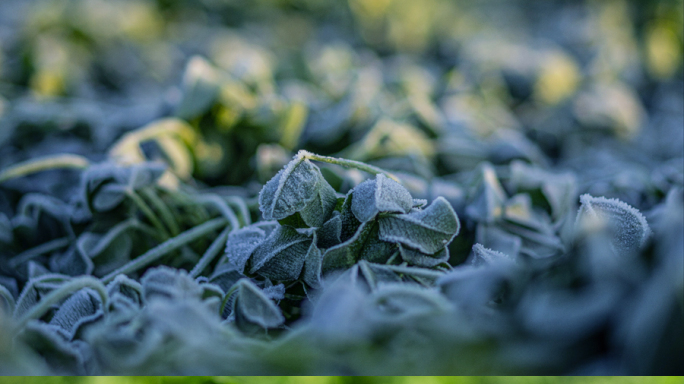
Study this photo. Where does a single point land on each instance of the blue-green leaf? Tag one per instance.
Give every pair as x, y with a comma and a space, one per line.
627, 226
281, 256
428, 230
381, 194
298, 188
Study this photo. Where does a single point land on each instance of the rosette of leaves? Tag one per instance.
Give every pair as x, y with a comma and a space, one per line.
316, 232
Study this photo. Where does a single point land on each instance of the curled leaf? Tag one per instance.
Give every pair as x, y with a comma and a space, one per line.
364, 245
298, 188
253, 306
84, 306
380, 195
169, 283
420, 259
428, 230
242, 243
281, 256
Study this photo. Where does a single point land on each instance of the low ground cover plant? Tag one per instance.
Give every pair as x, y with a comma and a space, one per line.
369, 199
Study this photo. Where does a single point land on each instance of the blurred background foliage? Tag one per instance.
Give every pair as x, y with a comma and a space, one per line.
347, 380
446, 84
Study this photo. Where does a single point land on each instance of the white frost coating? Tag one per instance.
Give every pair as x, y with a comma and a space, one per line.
299, 187
629, 229
281, 256
256, 307
488, 256
420, 259
290, 190
428, 230
242, 243
380, 195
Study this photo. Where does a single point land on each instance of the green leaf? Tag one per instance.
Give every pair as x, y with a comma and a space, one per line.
330, 233
299, 187
380, 195
242, 243
168, 283
127, 289
428, 230
253, 306
35, 289
7, 303
311, 273
84, 306
281, 256
364, 245
421, 259
107, 185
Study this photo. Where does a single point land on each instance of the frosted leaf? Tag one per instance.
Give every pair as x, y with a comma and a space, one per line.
84, 306
125, 288
318, 211
420, 259
428, 230
311, 274
350, 224
61, 355
627, 226
281, 256
298, 188
400, 301
330, 233
380, 195
489, 198
242, 243
253, 306
35, 289
106, 185
169, 283
486, 256
364, 245
225, 276
373, 274
6, 301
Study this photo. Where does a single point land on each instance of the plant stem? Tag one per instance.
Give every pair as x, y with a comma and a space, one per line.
60, 293
148, 212
43, 164
242, 207
163, 209
166, 247
211, 253
346, 163
29, 254
222, 206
